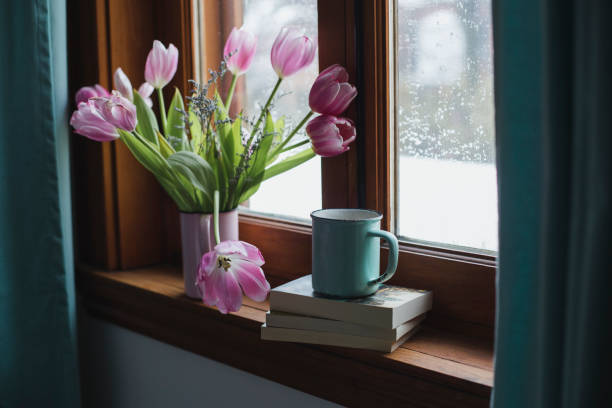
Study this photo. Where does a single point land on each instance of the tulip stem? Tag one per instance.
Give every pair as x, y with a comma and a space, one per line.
230, 94
216, 217
162, 110
254, 131
263, 111
278, 149
293, 146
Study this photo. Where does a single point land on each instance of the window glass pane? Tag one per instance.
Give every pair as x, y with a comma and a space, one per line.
297, 192
446, 175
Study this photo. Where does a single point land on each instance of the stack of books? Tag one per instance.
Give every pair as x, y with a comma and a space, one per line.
382, 321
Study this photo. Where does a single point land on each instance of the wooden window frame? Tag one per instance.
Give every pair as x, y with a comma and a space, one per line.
123, 219
120, 204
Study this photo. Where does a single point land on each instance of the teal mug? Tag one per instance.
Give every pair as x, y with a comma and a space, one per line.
346, 252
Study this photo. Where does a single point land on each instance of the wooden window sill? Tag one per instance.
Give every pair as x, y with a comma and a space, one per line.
433, 369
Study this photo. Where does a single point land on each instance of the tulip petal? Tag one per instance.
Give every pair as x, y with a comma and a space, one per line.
208, 285
230, 247
228, 292
161, 64
240, 250
101, 90
330, 135
251, 279
207, 265
88, 121
123, 84
291, 52
322, 96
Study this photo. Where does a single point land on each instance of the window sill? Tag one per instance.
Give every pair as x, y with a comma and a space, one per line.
434, 368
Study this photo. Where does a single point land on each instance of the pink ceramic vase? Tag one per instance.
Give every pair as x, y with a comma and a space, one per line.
198, 237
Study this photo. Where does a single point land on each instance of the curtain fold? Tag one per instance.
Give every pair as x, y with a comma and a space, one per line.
553, 61
38, 365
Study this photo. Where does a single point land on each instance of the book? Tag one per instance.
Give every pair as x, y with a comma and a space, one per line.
333, 339
293, 321
388, 308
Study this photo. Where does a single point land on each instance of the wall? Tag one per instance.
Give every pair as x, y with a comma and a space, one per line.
121, 368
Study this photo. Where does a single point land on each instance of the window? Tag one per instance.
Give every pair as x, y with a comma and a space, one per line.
296, 193
446, 177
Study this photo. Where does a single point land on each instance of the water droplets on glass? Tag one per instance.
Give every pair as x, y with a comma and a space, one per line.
446, 172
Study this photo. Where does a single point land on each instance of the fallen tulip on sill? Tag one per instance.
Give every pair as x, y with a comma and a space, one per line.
231, 268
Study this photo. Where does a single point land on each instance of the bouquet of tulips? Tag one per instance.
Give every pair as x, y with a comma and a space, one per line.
196, 151
208, 161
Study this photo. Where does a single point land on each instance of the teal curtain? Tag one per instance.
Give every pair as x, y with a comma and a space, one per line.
38, 365
553, 86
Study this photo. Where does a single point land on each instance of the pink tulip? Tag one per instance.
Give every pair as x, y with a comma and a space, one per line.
87, 92
231, 268
331, 93
161, 64
291, 52
117, 110
88, 121
122, 84
242, 45
330, 136
145, 91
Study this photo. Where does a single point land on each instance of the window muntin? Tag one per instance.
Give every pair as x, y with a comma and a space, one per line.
446, 177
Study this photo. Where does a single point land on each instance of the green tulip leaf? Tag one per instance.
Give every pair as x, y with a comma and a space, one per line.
175, 124
279, 127
289, 163
164, 147
195, 130
152, 160
196, 170
237, 140
147, 123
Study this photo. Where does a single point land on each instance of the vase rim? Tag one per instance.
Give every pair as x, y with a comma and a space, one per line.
208, 213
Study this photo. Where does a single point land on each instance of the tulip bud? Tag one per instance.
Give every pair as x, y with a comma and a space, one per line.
88, 121
331, 93
161, 64
87, 92
241, 44
117, 110
122, 84
291, 52
330, 136
145, 91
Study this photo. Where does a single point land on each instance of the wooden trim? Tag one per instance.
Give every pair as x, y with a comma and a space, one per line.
93, 164
432, 369
337, 46
118, 204
374, 106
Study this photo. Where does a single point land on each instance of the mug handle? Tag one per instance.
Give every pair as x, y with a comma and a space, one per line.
393, 255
